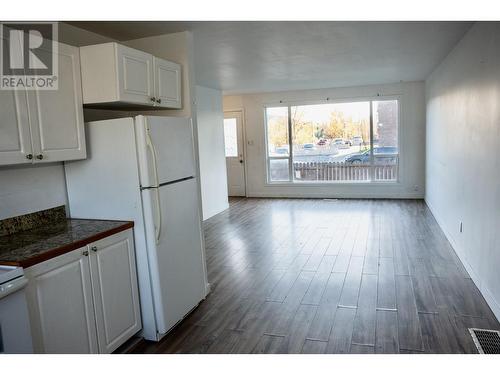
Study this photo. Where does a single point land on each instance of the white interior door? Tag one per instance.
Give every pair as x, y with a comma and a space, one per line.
235, 162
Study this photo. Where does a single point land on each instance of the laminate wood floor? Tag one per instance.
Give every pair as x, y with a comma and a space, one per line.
330, 276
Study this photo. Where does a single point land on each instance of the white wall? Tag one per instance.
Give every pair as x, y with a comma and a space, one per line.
28, 189
412, 145
463, 153
213, 176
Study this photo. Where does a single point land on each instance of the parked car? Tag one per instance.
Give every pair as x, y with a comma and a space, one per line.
357, 140
308, 146
381, 155
321, 142
283, 150
340, 143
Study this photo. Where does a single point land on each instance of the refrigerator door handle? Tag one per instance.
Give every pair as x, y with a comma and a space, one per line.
158, 216
151, 147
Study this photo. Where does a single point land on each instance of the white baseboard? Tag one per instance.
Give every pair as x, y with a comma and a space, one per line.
260, 194
216, 212
486, 293
208, 289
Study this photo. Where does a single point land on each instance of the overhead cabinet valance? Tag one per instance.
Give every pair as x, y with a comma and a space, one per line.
114, 75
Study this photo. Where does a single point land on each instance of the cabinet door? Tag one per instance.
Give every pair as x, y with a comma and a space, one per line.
60, 304
57, 126
15, 140
135, 75
167, 83
116, 297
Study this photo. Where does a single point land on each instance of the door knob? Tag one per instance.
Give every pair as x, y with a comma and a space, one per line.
29, 156
241, 161
158, 100
94, 248
39, 156
153, 99
86, 253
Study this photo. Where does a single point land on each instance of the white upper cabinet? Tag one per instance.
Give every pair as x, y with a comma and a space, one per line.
167, 83
57, 125
15, 140
114, 75
39, 126
136, 76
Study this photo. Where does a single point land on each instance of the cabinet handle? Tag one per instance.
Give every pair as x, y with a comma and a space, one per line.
86, 253
94, 248
29, 156
153, 99
158, 100
39, 157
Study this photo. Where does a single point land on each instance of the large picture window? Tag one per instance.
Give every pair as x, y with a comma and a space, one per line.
333, 142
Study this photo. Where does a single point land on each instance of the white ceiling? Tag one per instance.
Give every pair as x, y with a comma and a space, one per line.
243, 57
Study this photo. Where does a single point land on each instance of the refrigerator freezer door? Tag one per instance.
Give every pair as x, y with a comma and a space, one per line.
176, 257
166, 151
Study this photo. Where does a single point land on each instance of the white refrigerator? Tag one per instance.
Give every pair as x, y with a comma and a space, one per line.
143, 169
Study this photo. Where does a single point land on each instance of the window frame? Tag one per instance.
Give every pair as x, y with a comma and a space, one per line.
292, 103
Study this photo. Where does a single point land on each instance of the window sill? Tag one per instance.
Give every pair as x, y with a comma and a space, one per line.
331, 183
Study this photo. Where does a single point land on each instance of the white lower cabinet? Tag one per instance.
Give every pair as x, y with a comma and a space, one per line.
85, 301
60, 304
116, 299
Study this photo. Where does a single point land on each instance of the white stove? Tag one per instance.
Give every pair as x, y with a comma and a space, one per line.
9, 273
15, 331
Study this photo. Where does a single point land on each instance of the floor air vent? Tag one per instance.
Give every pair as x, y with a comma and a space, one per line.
487, 341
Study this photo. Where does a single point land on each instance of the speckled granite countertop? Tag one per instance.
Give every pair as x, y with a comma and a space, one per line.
50, 239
